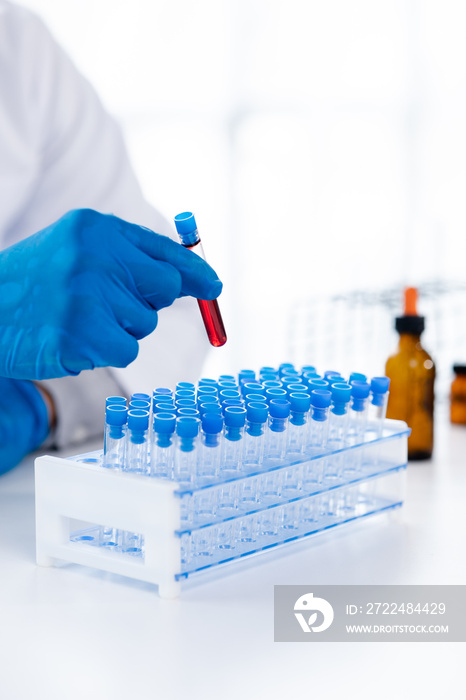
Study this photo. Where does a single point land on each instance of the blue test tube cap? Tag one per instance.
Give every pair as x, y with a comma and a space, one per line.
257, 412
212, 423
185, 403
359, 389
165, 407
308, 368
210, 408
116, 414
279, 408
187, 426
140, 396
235, 416
207, 399
267, 376
232, 402
162, 390
226, 384
255, 397
317, 384
272, 384
359, 392
357, 377
321, 398
138, 419
207, 389
379, 387
188, 412
300, 402
185, 385
331, 373
164, 423
139, 403
207, 381
115, 401
186, 228
229, 394
247, 374
341, 394
311, 375
296, 388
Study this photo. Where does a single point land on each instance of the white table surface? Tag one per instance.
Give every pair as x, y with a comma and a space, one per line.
73, 632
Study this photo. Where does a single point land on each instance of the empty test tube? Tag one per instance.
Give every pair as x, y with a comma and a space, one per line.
186, 452
210, 450
254, 436
137, 441
114, 438
275, 442
162, 450
300, 404
339, 415
358, 413
318, 424
235, 418
377, 407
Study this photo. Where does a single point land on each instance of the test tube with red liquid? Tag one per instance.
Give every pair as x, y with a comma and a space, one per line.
189, 236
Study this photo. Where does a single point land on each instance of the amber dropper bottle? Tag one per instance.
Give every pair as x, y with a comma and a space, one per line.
412, 375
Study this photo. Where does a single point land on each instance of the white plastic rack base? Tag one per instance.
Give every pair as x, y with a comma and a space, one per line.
151, 530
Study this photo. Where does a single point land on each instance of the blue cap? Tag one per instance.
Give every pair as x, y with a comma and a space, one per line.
317, 384
185, 403
290, 379
212, 423
187, 426
207, 389
138, 419
308, 368
139, 403
266, 376
284, 365
257, 412
232, 402
186, 228
272, 384
357, 376
275, 394
279, 408
210, 408
379, 388
115, 401
162, 390
379, 385
227, 378
300, 402
226, 384
321, 398
359, 389
229, 394
341, 394
116, 414
185, 385
161, 398
164, 423
207, 381
289, 372
297, 388
207, 399
235, 416
143, 397
255, 397
188, 412
268, 370
248, 374
331, 373
311, 375
164, 407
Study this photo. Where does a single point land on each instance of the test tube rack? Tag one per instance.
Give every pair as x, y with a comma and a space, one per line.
163, 534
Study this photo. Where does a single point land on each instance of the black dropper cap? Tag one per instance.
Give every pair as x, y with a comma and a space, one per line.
459, 369
410, 322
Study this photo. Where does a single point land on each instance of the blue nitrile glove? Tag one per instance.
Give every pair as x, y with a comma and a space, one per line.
23, 421
79, 293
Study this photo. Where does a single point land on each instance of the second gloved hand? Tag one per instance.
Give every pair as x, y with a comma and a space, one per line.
80, 293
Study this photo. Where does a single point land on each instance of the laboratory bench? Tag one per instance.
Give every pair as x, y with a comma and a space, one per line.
72, 632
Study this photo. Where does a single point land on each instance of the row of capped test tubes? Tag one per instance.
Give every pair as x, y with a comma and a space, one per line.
227, 428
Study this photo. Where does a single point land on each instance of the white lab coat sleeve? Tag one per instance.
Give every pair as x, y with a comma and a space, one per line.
81, 162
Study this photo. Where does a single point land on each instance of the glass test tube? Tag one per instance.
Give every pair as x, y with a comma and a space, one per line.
297, 429
337, 430
137, 441
114, 438
254, 436
377, 408
275, 442
186, 452
187, 230
162, 450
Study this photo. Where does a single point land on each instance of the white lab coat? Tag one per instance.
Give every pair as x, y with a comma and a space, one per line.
60, 150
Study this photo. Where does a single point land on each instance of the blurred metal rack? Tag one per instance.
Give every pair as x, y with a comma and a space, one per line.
356, 330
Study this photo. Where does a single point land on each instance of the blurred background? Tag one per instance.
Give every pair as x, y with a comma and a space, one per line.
322, 148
